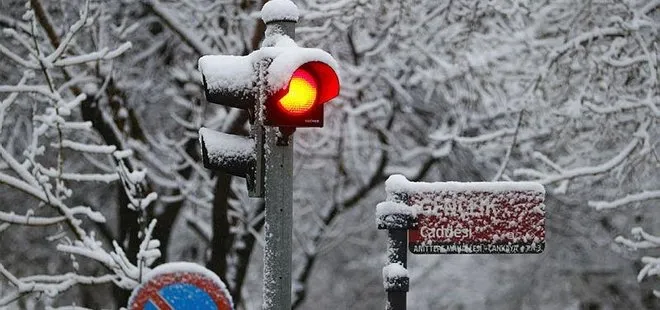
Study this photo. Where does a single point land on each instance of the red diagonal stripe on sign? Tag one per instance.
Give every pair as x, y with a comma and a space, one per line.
160, 302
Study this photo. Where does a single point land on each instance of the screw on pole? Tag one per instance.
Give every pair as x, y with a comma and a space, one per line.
397, 218
280, 17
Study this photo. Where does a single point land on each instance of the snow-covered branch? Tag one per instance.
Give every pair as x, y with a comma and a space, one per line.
542, 178
629, 199
51, 97
51, 285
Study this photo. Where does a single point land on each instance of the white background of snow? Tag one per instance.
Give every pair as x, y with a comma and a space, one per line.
399, 183
279, 10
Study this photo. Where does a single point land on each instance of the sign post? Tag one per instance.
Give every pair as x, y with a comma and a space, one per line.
457, 218
395, 276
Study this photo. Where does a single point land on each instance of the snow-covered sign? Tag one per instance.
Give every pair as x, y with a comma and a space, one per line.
476, 217
180, 286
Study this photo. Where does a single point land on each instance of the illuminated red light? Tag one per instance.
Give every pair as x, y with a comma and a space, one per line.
300, 103
301, 94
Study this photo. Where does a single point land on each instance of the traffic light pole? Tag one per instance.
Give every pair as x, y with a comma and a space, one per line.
278, 219
278, 196
265, 159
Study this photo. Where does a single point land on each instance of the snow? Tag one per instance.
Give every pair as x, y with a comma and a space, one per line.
90, 213
392, 273
225, 148
386, 210
286, 59
398, 183
226, 72
477, 217
89, 148
390, 208
121, 154
394, 270
238, 73
641, 196
279, 10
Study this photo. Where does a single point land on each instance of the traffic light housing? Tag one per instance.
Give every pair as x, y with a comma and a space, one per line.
229, 80
300, 102
280, 85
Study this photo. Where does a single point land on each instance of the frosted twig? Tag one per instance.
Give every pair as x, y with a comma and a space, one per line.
103, 54
18, 59
505, 161
40, 89
69, 35
476, 139
186, 34
610, 164
632, 198
30, 220
89, 148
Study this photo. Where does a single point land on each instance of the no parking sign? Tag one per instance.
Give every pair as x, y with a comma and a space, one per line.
180, 286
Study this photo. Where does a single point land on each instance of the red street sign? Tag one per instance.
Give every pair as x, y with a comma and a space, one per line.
477, 217
180, 286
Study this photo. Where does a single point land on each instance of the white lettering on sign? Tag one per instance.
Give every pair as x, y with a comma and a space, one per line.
477, 248
445, 232
478, 217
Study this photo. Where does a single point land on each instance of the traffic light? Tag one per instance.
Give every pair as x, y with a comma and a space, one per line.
230, 81
300, 103
280, 85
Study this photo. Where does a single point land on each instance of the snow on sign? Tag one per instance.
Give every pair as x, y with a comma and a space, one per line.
478, 217
180, 286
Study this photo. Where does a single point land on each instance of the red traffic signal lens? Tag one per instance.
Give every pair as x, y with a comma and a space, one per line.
301, 94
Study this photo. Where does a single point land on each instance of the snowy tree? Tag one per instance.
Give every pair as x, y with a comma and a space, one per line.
48, 116
563, 93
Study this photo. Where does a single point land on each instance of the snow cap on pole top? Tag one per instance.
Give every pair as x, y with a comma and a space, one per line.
278, 11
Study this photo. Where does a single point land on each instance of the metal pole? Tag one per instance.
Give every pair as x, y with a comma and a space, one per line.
278, 220
395, 274
278, 196
397, 253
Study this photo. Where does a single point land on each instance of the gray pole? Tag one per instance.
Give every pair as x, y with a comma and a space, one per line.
278, 218
278, 195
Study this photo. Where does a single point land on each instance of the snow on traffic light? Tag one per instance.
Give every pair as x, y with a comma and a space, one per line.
282, 86
297, 82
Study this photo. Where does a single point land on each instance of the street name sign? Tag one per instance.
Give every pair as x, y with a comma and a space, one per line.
180, 286
470, 217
